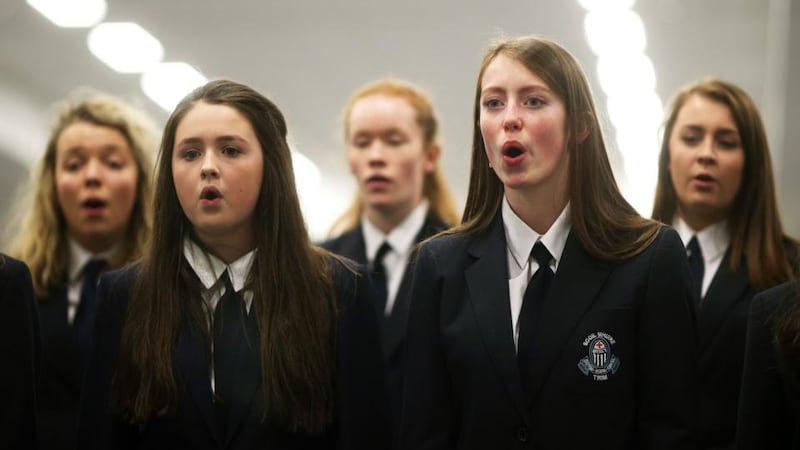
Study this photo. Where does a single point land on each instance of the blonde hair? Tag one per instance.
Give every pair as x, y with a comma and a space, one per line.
41, 239
434, 188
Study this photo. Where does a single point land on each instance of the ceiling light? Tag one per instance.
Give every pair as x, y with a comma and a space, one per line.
71, 13
125, 46
167, 83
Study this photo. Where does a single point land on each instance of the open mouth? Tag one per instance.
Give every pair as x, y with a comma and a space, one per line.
512, 151
377, 179
706, 178
210, 194
94, 203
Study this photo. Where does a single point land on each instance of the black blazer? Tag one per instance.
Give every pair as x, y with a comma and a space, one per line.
393, 328
60, 382
722, 322
361, 414
463, 389
20, 353
770, 397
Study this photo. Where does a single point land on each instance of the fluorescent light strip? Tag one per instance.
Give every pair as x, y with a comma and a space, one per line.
167, 83
126, 47
71, 13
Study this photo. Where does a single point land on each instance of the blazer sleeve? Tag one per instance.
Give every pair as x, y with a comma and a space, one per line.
763, 419
362, 420
428, 420
97, 427
667, 349
20, 352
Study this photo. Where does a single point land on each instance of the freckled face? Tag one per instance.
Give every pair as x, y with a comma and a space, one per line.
96, 177
522, 122
706, 160
217, 166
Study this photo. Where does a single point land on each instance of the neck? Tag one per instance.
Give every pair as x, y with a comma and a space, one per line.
227, 248
539, 210
387, 219
697, 221
97, 244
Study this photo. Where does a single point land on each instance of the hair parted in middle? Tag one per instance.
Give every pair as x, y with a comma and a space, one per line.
607, 226
290, 278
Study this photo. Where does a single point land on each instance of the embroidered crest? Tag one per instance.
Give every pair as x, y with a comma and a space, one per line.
600, 361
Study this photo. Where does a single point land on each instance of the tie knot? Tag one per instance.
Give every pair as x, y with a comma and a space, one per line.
541, 255
382, 251
93, 268
226, 281
693, 248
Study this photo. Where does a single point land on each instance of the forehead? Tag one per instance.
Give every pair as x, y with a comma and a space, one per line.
701, 110
206, 119
504, 72
381, 111
87, 136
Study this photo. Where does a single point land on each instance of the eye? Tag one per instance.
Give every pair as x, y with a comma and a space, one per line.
190, 154
72, 164
361, 142
534, 101
395, 140
492, 103
690, 139
115, 164
729, 144
231, 151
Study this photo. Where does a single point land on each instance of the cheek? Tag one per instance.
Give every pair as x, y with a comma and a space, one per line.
66, 191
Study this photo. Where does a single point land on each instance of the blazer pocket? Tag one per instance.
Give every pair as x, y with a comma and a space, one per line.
600, 358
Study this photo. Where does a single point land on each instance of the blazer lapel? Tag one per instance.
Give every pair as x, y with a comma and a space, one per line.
394, 325
578, 279
487, 282
725, 291
192, 362
248, 376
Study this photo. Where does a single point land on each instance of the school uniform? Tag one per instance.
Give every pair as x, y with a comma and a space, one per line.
613, 361
62, 360
20, 352
362, 245
723, 306
770, 394
360, 414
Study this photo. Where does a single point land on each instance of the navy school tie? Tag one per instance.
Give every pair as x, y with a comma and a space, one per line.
379, 279
83, 324
696, 266
532, 302
228, 333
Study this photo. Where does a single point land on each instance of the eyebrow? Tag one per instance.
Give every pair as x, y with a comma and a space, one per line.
105, 150
220, 140
725, 130
524, 90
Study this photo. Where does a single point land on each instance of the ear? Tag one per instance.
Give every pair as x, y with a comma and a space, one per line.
432, 155
585, 126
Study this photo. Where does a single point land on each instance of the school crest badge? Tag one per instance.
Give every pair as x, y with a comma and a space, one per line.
600, 361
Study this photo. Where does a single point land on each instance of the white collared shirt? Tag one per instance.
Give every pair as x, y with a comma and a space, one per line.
78, 257
401, 239
520, 239
713, 241
209, 269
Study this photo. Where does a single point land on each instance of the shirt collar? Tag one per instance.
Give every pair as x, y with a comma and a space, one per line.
209, 268
79, 256
401, 238
713, 239
520, 237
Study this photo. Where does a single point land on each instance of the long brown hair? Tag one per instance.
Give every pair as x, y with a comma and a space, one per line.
606, 225
434, 188
41, 239
757, 237
291, 282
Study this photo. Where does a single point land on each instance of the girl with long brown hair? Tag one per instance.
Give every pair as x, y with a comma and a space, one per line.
716, 188
554, 316
234, 331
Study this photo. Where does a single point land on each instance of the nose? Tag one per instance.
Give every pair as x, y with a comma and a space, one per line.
512, 120
706, 153
210, 168
376, 154
94, 171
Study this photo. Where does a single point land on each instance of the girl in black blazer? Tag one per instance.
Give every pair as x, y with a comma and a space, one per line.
590, 342
89, 210
20, 353
234, 331
716, 188
393, 152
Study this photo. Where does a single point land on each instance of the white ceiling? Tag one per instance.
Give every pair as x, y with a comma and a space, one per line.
309, 55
